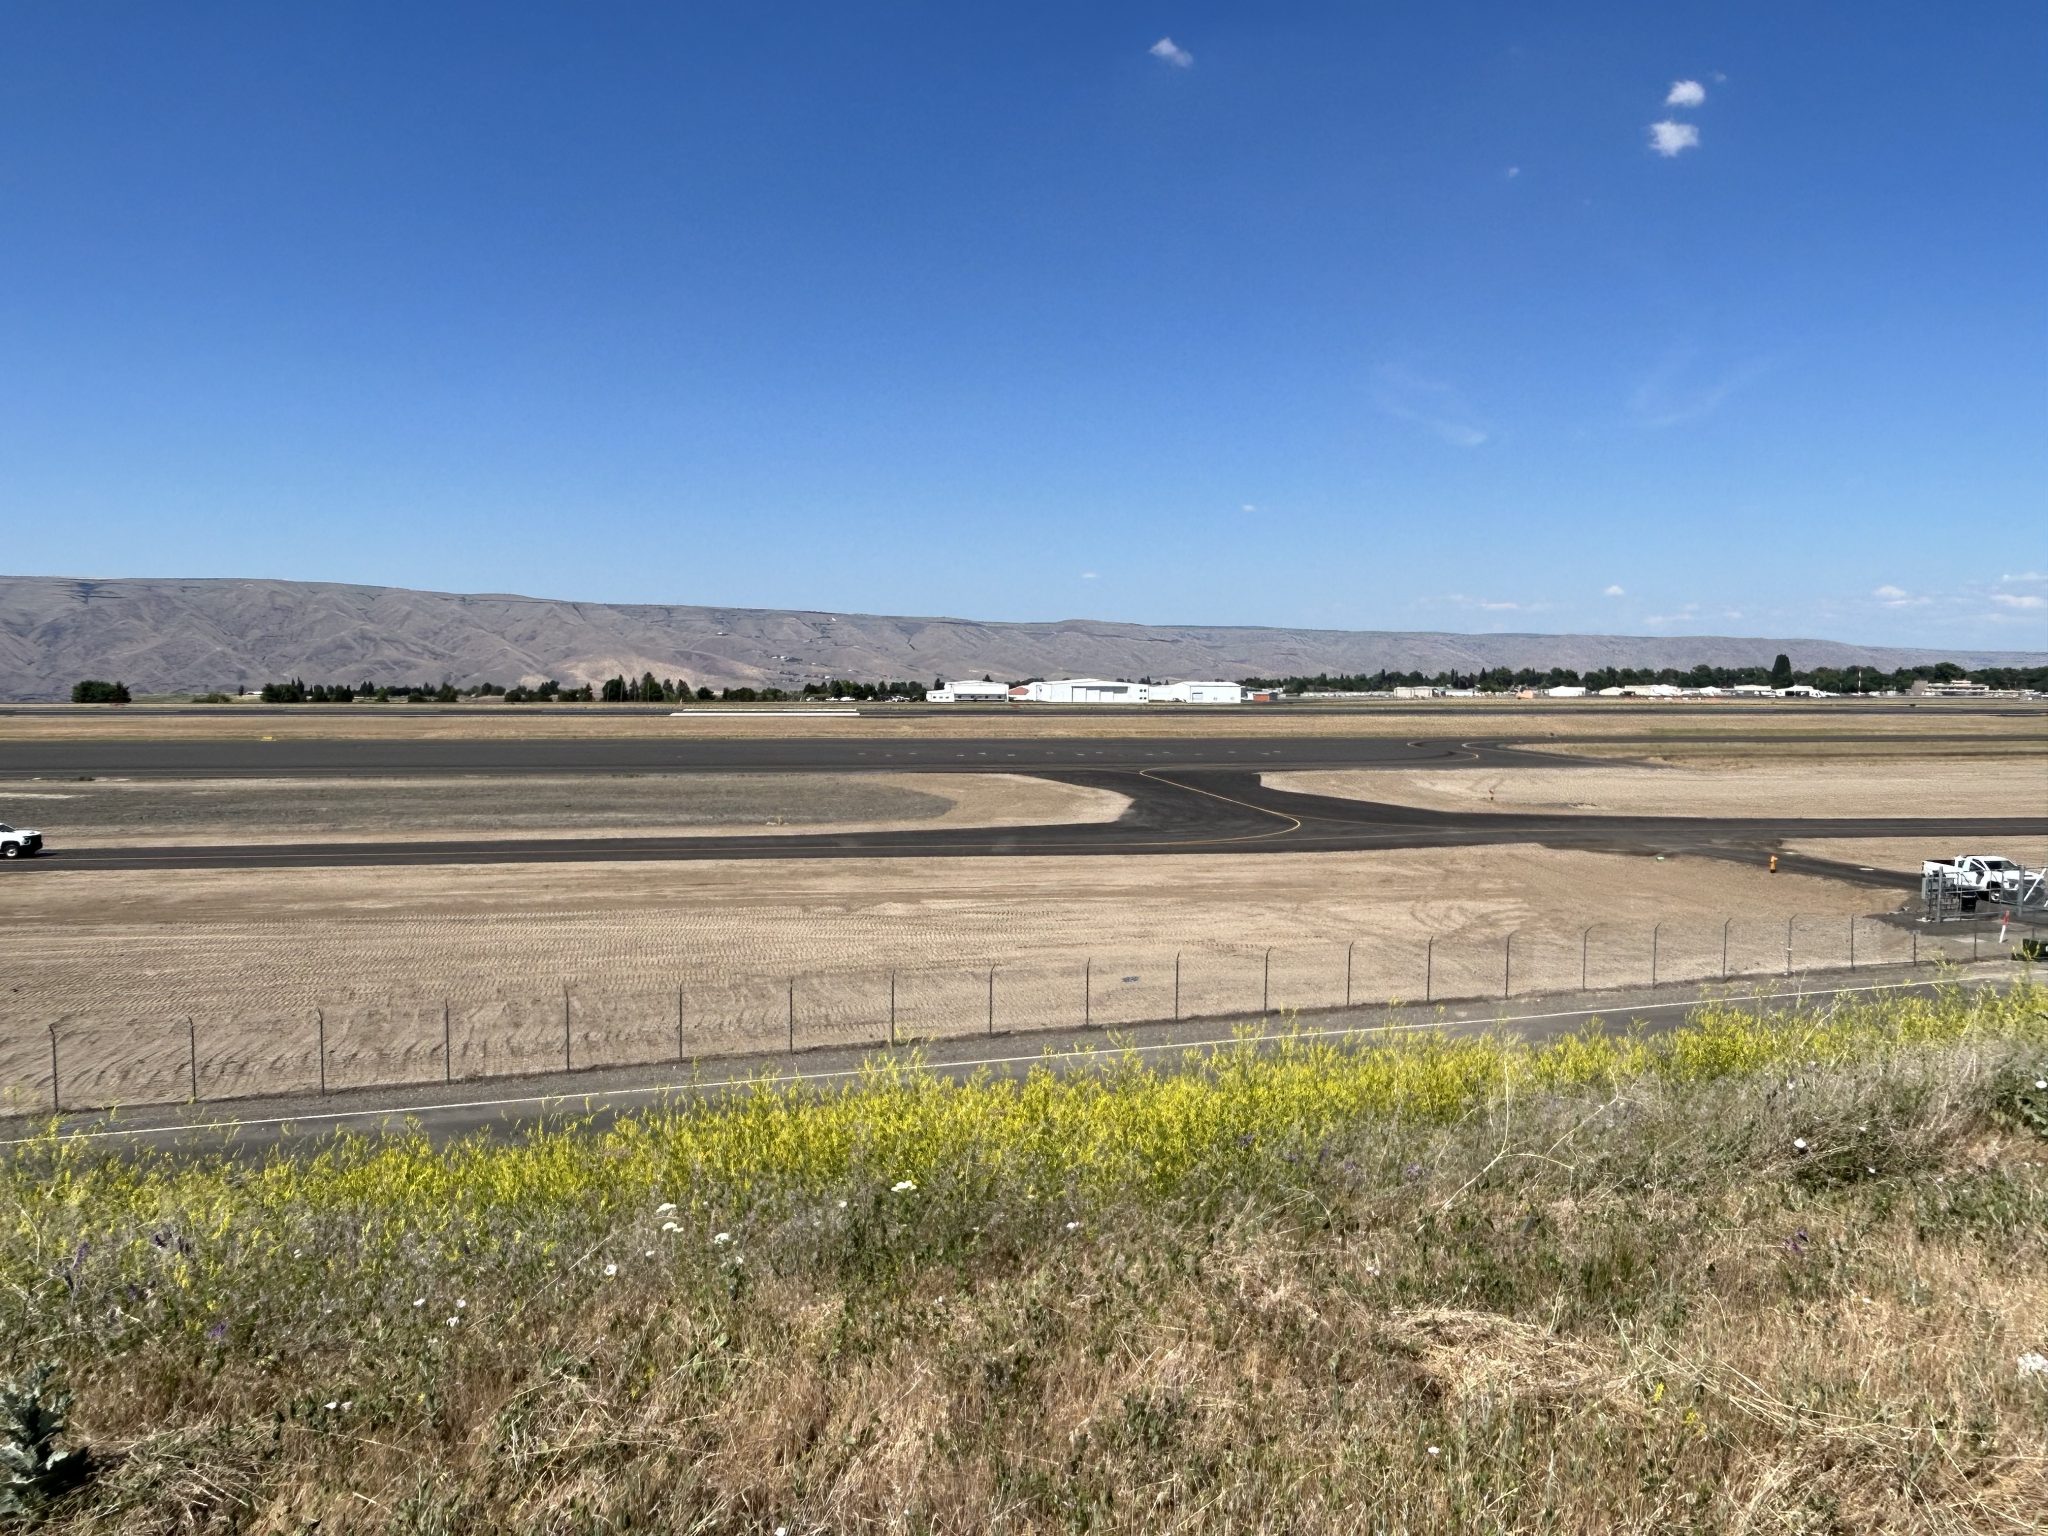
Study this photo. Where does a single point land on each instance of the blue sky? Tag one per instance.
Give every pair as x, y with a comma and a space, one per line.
1368, 317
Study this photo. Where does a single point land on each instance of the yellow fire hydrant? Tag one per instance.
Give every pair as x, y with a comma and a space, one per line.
1774, 863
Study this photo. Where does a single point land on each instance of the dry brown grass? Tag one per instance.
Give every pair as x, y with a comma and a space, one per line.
252, 955
1633, 1309
1899, 784
116, 812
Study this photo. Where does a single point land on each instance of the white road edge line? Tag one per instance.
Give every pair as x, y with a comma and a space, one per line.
607, 1094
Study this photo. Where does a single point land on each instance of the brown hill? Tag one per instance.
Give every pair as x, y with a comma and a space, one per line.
162, 636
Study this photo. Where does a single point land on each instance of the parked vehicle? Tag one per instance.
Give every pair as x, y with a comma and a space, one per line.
19, 842
1976, 874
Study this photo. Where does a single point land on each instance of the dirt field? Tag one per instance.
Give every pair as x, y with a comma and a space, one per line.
103, 813
1906, 854
1858, 785
1449, 717
636, 962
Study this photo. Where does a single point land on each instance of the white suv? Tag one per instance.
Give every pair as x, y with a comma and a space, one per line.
18, 842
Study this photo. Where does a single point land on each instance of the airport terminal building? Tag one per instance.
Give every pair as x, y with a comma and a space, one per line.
1088, 690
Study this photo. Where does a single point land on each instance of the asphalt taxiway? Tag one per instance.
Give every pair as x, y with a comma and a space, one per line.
1188, 795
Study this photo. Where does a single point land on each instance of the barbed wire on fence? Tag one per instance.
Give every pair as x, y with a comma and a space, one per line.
354, 1038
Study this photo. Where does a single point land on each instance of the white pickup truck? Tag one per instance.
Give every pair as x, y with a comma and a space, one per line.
19, 842
1977, 874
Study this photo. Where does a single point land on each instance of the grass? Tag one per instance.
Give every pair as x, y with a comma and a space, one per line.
1759, 1273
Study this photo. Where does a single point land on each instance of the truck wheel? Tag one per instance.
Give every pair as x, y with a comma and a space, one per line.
12, 850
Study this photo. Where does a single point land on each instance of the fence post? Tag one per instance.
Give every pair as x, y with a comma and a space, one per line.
1724, 948
55, 1104
447, 1046
1349, 945
1655, 932
991, 1002
1916, 946
1974, 930
1788, 944
568, 1054
1852, 943
679, 1022
1266, 984
1428, 967
192, 1053
1585, 944
320, 1045
892, 1009
1176, 986
1507, 968
792, 1017
1088, 993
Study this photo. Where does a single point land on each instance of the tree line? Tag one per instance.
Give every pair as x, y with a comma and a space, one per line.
645, 689
1782, 674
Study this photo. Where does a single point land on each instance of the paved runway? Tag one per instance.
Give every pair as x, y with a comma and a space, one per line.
1188, 795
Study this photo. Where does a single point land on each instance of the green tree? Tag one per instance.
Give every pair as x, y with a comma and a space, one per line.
94, 690
1781, 671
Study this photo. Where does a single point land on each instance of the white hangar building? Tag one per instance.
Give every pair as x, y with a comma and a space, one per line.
1103, 690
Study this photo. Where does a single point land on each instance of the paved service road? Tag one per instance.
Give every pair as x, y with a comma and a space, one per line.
1198, 795
510, 1106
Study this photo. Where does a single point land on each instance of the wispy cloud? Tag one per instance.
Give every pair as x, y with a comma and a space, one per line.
1613, 591
1680, 388
2019, 600
1484, 604
1899, 597
1512, 172
1670, 139
1166, 48
2028, 577
1090, 576
1686, 93
1430, 403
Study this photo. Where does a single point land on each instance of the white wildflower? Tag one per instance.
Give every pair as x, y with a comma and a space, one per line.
842, 1205
648, 1254
461, 1305
419, 1301
453, 1321
664, 1208
1073, 1226
720, 1239
1434, 1451
332, 1406
669, 1226
2041, 1082
610, 1270
2033, 1363
903, 1187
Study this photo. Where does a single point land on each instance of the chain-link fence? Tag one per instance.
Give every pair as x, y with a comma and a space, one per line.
365, 1038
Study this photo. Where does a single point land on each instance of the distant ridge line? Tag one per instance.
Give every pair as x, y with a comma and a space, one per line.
166, 635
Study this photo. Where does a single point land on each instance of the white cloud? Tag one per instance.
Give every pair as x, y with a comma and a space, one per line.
1686, 93
1683, 387
1429, 403
1613, 591
1090, 576
1889, 591
1512, 172
1669, 138
1249, 507
2020, 599
2025, 576
1166, 48
1899, 597
1484, 604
